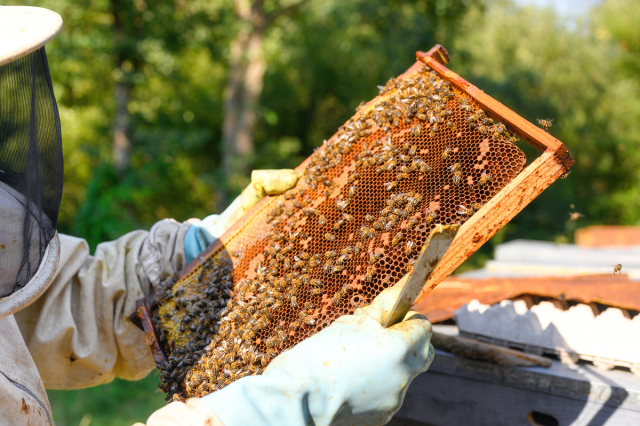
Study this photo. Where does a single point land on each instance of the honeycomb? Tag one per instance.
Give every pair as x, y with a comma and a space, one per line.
419, 154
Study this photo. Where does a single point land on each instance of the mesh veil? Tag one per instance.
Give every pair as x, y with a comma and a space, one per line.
31, 167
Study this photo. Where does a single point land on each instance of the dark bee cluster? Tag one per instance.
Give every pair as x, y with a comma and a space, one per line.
421, 153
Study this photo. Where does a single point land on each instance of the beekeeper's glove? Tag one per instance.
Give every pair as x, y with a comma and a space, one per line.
263, 182
354, 372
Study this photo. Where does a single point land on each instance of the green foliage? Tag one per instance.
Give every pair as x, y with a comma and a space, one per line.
321, 62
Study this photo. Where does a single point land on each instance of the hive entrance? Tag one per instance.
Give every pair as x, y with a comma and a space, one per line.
419, 154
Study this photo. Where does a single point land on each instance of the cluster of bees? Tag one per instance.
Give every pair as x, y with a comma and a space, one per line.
354, 224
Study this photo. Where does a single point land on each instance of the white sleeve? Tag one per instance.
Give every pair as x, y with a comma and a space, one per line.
78, 332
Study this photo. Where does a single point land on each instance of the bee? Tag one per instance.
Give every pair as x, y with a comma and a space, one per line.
309, 306
464, 211
565, 174
415, 130
337, 268
346, 250
369, 218
316, 283
433, 130
390, 185
342, 204
545, 123
369, 274
617, 268
390, 225
455, 167
313, 262
353, 177
339, 295
329, 237
327, 266
466, 108
483, 129
477, 206
423, 167
430, 217
338, 224
396, 239
446, 153
411, 223
484, 178
342, 258
357, 247
401, 176
457, 177
347, 217
352, 191
331, 253
316, 292
451, 125
305, 256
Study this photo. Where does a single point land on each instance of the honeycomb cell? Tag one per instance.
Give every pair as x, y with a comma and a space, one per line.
420, 154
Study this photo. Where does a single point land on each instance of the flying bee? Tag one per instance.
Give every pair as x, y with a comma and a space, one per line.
415, 130
617, 268
484, 179
370, 272
396, 239
369, 218
545, 123
411, 223
329, 237
390, 185
446, 153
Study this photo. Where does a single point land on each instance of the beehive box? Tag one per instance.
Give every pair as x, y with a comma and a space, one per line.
431, 148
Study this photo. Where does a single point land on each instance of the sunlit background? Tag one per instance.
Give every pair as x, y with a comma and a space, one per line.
145, 88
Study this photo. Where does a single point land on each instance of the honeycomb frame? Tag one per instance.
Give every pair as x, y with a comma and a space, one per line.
503, 204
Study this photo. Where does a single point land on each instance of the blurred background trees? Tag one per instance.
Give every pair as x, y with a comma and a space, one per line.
166, 105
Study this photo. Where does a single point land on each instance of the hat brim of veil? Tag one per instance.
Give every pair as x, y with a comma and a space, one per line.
25, 29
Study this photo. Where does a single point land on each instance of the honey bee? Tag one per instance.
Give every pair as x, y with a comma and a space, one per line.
305, 256
430, 217
415, 130
411, 223
483, 130
451, 125
330, 254
455, 167
353, 177
346, 250
390, 185
433, 130
370, 273
617, 268
309, 306
330, 237
338, 224
484, 179
369, 218
457, 177
342, 204
373, 258
316, 282
423, 167
357, 247
402, 176
352, 191
337, 297
347, 217
313, 262
390, 225
446, 153
545, 123
327, 266
316, 292
342, 258
466, 108
396, 239
464, 211
295, 324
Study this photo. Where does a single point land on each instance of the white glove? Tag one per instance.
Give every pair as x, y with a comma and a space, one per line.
263, 183
354, 372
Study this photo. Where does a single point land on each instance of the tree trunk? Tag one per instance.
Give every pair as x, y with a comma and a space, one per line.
121, 146
242, 96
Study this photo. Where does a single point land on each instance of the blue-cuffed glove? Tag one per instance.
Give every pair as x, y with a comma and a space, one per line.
263, 182
354, 372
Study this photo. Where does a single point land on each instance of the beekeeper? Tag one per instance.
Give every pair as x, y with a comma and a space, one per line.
63, 312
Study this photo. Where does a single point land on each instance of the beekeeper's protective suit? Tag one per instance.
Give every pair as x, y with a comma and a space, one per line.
63, 312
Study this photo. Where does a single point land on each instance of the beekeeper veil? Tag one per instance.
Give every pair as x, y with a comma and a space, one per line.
31, 166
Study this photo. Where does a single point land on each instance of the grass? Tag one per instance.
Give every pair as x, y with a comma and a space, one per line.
119, 403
